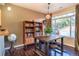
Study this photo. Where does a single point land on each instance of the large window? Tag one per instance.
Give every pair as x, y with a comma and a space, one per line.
64, 24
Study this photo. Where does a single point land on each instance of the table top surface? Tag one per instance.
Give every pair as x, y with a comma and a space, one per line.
3, 33
49, 38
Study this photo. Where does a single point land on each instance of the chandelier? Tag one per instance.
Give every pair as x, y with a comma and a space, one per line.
48, 16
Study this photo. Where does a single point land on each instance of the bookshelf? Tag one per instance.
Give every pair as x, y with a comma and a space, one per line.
30, 30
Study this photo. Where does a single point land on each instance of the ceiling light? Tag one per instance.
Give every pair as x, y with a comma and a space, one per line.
9, 8
48, 16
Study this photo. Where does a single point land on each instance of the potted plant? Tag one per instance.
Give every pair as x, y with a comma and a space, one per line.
48, 31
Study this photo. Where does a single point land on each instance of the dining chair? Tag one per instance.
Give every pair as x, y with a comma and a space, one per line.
12, 39
56, 47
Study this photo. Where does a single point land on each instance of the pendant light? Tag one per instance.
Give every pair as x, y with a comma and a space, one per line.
48, 15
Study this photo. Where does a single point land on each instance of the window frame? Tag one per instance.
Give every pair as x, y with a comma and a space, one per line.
73, 15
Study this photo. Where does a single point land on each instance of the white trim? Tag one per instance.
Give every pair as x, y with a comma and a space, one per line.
14, 46
64, 15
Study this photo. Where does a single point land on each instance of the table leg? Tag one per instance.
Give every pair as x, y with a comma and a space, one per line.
47, 48
40, 45
54, 53
55, 41
61, 46
35, 43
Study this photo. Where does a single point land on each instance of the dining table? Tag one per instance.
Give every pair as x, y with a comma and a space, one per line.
46, 40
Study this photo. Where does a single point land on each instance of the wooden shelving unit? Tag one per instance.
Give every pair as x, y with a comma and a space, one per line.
30, 30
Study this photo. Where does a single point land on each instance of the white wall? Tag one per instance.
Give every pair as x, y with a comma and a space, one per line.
2, 49
0, 17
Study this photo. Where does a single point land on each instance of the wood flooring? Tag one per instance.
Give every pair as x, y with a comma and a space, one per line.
29, 51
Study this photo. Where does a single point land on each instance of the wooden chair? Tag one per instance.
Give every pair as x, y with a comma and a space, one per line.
56, 47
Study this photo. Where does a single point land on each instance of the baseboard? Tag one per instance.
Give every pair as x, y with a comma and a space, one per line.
16, 46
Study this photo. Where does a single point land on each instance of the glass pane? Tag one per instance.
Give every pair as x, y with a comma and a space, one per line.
73, 26
63, 26
53, 26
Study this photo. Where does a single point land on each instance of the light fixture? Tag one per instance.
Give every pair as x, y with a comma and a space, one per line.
48, 16
9, 8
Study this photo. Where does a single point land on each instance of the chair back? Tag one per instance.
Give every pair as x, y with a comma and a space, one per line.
12, 37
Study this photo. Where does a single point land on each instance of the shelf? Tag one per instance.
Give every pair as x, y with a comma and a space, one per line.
29, 22
29, 37
38, 23
29, 32
37, 31
38, 26
29, 26
31, 29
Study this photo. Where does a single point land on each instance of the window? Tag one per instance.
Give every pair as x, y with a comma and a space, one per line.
64, 24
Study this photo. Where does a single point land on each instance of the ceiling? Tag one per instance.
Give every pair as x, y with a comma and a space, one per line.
43, 7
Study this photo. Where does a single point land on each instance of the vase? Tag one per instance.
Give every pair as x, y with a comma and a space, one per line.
47, 34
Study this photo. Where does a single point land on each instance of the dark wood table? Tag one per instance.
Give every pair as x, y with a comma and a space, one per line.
47, 40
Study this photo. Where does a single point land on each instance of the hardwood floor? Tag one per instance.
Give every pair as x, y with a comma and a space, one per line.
68, 51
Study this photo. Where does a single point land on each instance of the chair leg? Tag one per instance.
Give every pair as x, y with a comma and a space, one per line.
55, 53
12, 49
